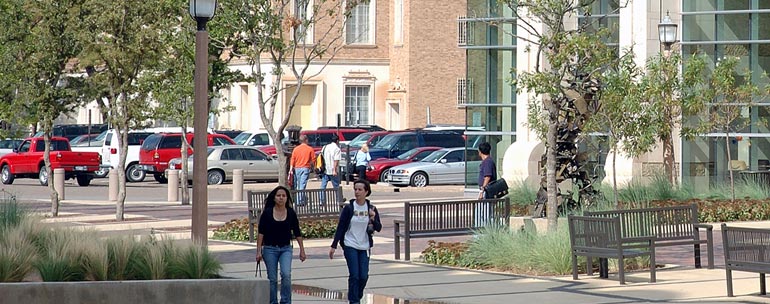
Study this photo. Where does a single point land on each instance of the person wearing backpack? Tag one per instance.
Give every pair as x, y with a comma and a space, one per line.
358, 221
331, 159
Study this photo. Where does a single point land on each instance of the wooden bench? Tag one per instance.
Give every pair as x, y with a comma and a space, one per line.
601, 237
312, 209
447, 218
671, 226
746, 249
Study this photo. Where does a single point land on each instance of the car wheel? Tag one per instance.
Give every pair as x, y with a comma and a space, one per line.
160, 178
419, 179
385, 175
215, 177
83, 180
134, 174
6, 175
42, 176
101, 173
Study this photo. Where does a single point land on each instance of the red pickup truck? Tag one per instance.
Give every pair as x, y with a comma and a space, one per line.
27, 161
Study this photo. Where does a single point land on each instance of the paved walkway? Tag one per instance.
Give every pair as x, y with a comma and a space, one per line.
320, 280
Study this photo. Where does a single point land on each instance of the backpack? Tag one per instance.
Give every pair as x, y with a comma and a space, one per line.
320, 164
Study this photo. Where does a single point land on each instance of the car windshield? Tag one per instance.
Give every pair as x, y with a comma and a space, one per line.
388, 141
242, 138
101, 136
360, 140
435, 156
406, 155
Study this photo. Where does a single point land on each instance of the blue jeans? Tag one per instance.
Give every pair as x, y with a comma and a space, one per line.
273, 256
300, 182
325, 178
358, 272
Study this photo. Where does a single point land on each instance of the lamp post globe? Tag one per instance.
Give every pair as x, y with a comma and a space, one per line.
667, 32
202, 11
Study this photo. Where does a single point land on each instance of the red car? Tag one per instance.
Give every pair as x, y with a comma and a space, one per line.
27, 161
158, 149
378, 168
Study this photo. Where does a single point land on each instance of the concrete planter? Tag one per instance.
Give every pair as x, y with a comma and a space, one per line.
539, 225
214, 291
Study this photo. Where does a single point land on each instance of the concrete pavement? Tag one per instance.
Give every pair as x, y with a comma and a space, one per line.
320, 280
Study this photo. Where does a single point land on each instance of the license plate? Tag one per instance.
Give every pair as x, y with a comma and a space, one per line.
81, 168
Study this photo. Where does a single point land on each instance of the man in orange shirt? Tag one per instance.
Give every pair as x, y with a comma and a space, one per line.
301, 163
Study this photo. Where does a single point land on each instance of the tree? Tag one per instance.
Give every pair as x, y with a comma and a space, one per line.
39, 44
172, 84
721, 103
124, 46
622, 98
564, 80
274, 36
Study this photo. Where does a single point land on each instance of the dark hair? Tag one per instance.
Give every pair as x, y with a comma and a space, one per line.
367, 186
335, 137
485, 148
270, 200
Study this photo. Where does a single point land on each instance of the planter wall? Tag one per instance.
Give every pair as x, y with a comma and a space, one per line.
215, 291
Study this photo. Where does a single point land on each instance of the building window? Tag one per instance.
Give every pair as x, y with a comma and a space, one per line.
303, 11
360, 25
398, 22
356, 105
464, 86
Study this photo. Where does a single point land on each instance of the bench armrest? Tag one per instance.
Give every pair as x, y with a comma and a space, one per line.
704, 226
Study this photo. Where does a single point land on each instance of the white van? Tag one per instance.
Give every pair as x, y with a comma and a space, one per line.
111, 150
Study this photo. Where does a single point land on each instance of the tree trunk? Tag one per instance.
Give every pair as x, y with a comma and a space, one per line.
615, 176
730, 167
122, 134
185, 198
550, 164
47, 164
282, 164
668, 159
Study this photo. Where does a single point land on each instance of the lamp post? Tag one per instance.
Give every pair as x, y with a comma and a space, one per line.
201, 11
667, 33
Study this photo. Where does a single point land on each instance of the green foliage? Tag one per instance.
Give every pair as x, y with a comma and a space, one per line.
238, 229
11, 214
60, 259
193, 262
449, 254
17, 255
522, 194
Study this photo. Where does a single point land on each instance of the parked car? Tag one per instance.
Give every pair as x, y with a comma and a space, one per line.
95, 145
230, 133
7, 145
255, 138
395, 144
379, 169
158, 149
368, 128
222, 160
70, 131
445, 166
28, 161
88, 140
319, 138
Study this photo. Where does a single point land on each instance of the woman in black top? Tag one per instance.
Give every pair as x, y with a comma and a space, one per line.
276, 226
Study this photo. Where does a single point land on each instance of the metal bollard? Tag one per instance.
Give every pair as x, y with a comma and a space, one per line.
58, 182
238, 184
173, 185
113, 186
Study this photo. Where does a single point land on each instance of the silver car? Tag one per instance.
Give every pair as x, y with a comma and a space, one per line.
222, 160
445, 166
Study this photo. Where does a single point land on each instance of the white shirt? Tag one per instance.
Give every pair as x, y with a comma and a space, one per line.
356, 236
331, 153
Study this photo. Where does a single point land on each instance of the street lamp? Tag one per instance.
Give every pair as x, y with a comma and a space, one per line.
667, 32
202, 11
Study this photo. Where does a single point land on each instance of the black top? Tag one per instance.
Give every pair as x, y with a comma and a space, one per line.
278, 233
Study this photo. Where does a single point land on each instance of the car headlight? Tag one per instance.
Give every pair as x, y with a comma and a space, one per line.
402, 171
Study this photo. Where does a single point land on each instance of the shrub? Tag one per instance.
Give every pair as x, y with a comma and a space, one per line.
449, 254
11, 214
238, 229
60, 260
121, 253
17, 255
193, 262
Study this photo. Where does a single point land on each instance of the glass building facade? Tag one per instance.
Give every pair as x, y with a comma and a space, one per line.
719, 28
488, 36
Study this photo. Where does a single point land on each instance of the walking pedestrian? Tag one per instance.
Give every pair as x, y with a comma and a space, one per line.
301, 163
362, 161
358, 221
277, 224
487, 174
331, 155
